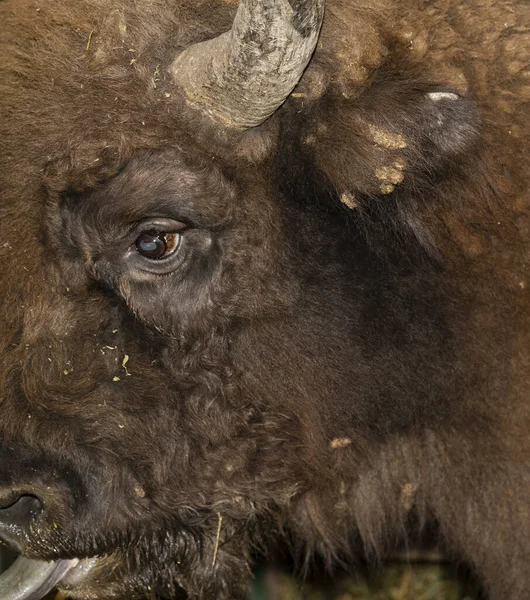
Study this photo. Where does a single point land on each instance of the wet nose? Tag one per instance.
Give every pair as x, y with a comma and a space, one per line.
16, 519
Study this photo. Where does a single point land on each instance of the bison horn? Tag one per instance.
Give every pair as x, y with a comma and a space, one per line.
241, 77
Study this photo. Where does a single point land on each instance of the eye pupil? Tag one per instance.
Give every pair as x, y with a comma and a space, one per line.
151, 245
156, 245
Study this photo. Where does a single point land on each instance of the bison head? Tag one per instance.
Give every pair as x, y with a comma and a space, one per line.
189, 298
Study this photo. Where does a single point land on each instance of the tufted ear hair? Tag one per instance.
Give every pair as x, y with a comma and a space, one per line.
396, 136
398, 155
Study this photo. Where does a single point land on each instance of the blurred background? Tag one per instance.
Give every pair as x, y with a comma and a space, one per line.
395, 581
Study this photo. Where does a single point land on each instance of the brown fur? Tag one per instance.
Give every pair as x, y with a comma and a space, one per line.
332, 373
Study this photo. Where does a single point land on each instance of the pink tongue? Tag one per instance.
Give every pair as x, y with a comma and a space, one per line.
28, 579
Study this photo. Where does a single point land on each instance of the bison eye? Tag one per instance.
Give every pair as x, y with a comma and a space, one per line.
157, 245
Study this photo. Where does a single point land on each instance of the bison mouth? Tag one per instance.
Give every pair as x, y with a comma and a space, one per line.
28, 579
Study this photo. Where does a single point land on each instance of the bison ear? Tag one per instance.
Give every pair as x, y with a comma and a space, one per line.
450, 124
395, 138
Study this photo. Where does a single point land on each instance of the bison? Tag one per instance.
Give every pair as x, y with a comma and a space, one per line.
265, 281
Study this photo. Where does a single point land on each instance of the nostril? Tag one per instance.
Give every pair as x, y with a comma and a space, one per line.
16, 519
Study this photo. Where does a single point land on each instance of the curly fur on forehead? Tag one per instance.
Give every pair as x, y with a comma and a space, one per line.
110, 89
